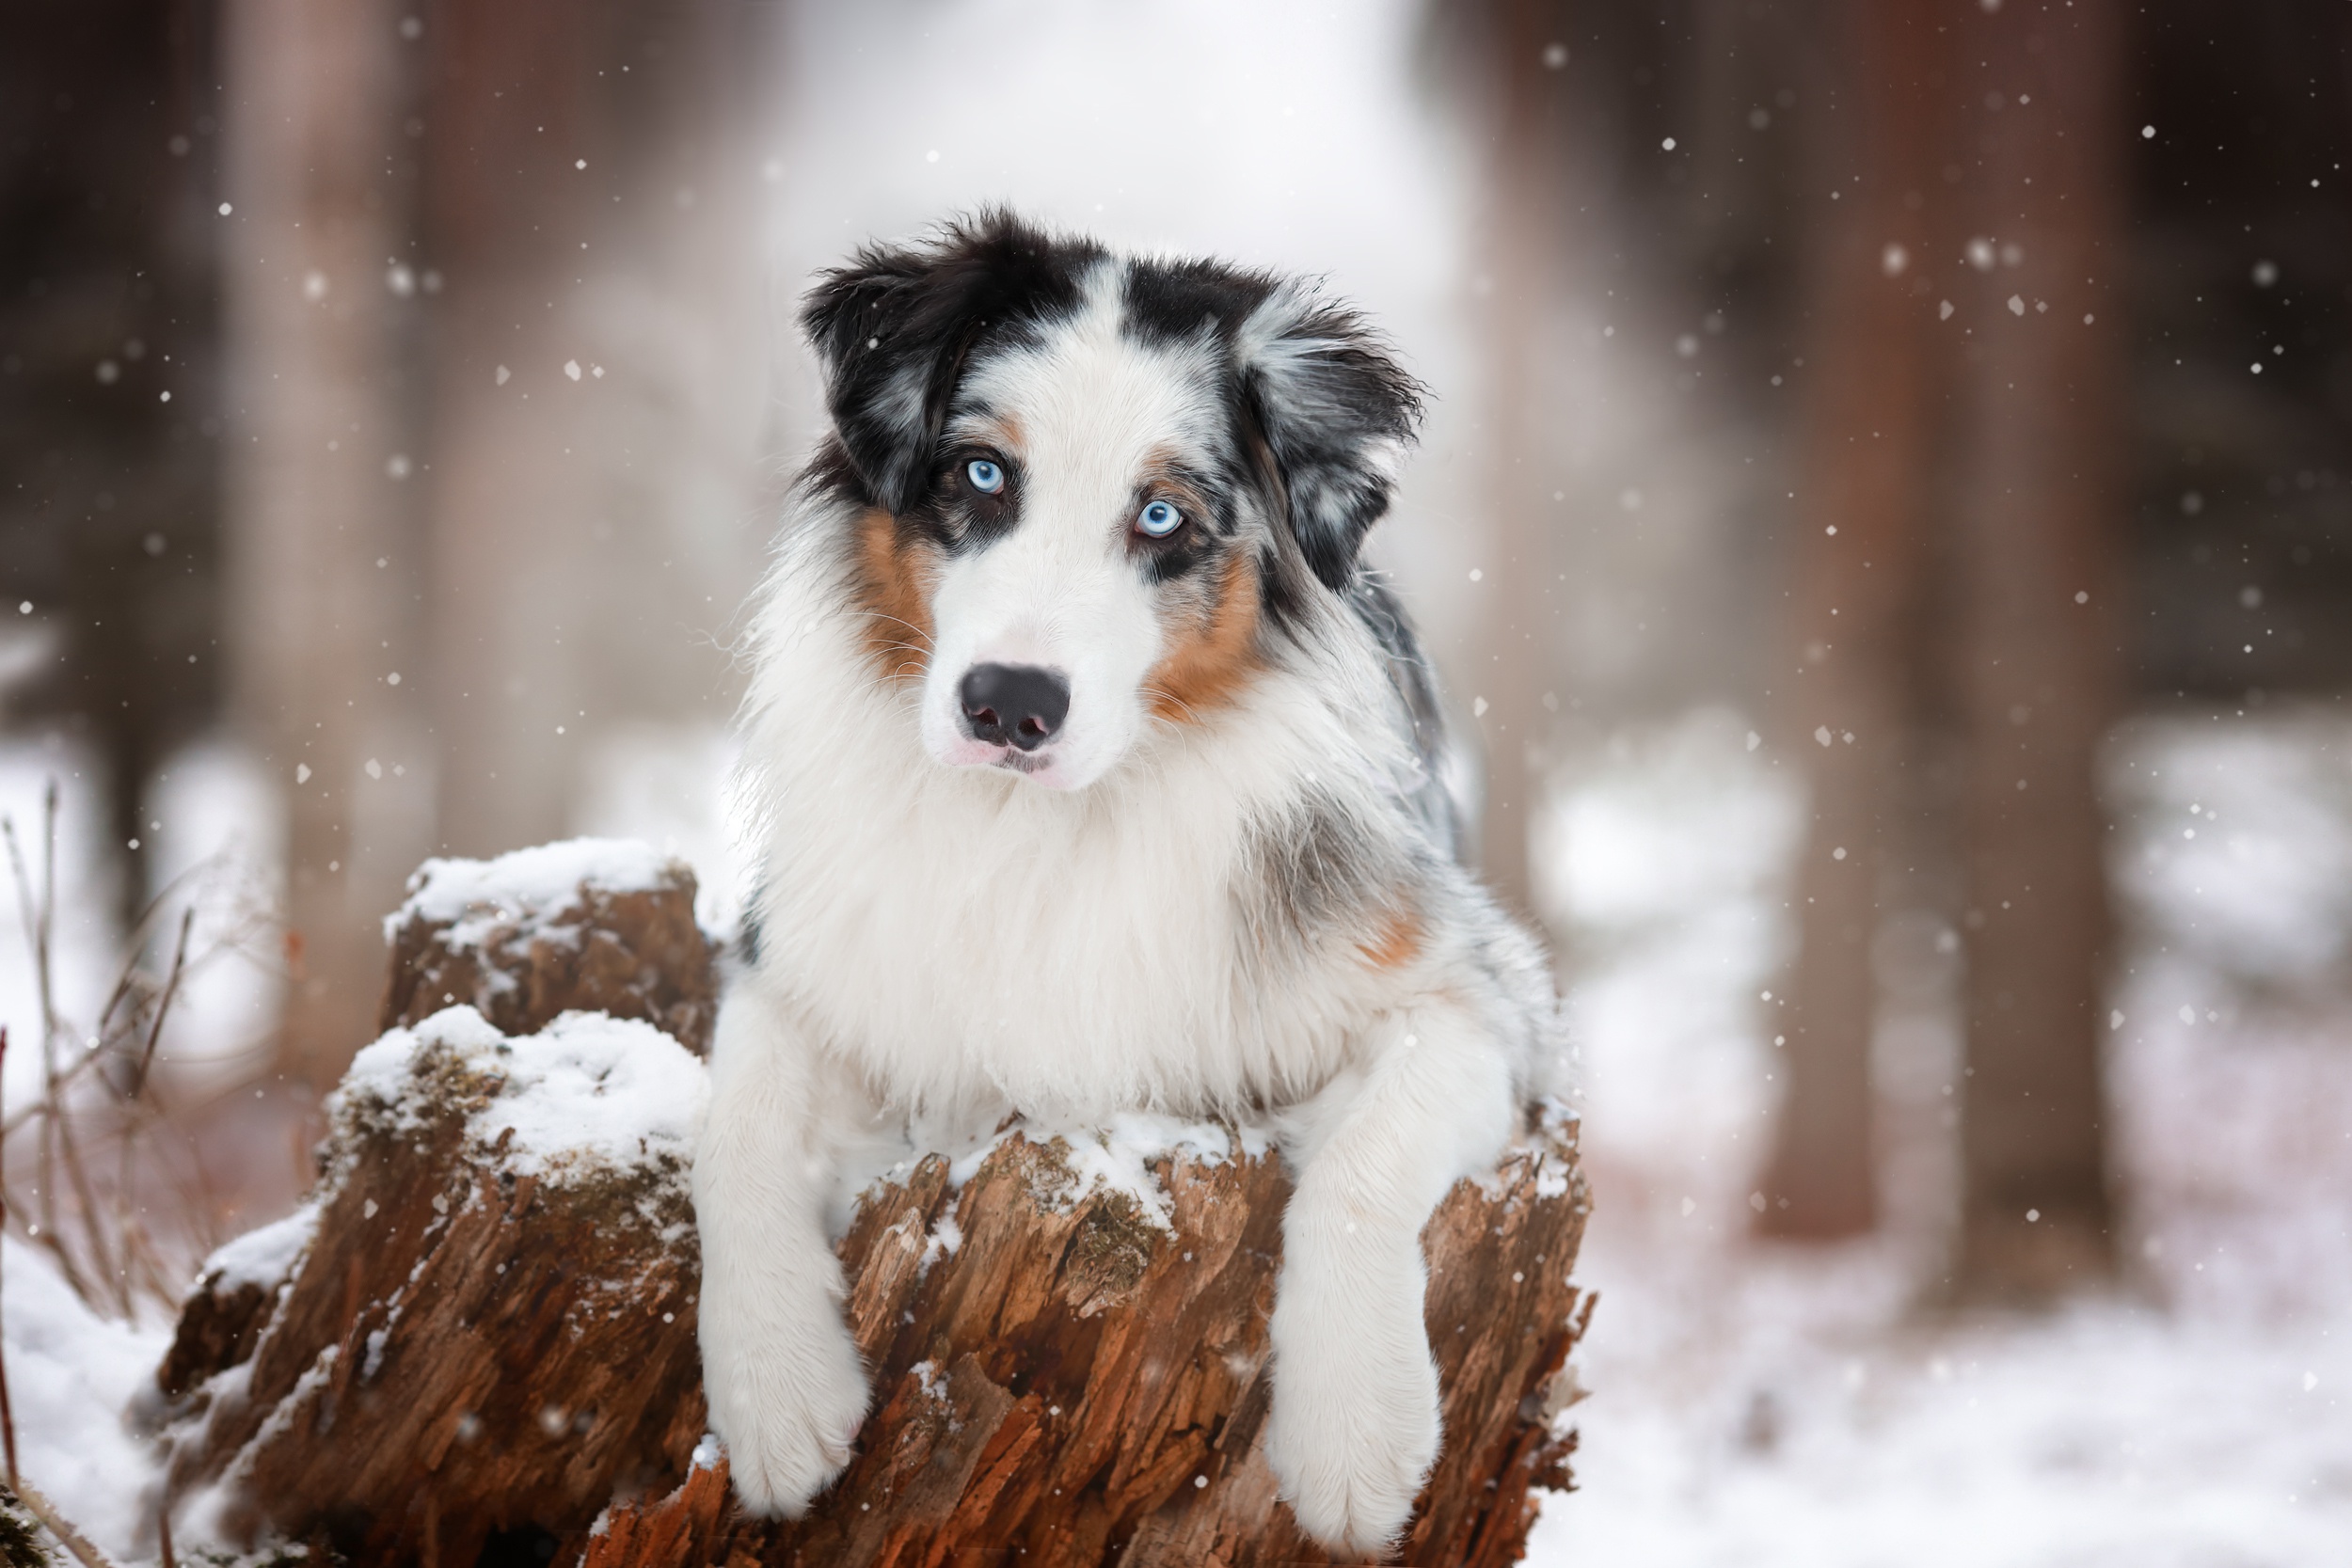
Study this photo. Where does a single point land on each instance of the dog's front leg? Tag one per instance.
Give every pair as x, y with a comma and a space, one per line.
1355, 1424
787, 1389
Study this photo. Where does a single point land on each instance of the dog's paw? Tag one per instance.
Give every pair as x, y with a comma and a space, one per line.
1352, 1436
789, 1415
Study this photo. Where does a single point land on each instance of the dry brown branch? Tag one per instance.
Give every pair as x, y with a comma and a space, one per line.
57, 1524
7, 1411
104, 1246
132, 982
136, 1248
59, 1152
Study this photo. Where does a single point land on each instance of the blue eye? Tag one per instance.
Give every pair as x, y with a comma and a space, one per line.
1158, 520
986, 477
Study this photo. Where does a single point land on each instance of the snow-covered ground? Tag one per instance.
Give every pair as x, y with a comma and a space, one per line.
72, 1375
1761, 1405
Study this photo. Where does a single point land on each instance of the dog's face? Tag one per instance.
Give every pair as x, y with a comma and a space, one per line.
1091, 491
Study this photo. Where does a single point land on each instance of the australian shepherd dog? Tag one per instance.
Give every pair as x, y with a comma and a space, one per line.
1089, 772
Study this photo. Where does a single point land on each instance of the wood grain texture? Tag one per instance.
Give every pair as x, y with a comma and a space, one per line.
471, 1356
1074, 1385
630, 952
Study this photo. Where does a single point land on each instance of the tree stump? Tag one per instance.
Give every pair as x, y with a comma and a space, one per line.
478, 1338
592, 926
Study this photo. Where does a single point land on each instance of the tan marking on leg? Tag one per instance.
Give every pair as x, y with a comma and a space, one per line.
1399, 941
894, 585
1212, 659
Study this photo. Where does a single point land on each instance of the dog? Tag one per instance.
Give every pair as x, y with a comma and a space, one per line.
1088, 769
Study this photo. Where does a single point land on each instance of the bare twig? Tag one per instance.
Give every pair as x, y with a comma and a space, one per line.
58, 1151
134, 1247
163, 1005
85, 1199
46, 1191
131, 979
69, 1150
59, 1525
89, 1211
7, 1414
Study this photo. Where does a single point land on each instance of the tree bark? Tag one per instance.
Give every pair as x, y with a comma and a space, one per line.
1990, 428
1525, 221
628, 951
596, 358
1852, 640
2038, 662
476, 1349
312, 506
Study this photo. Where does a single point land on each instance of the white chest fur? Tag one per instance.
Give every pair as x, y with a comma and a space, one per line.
961, 934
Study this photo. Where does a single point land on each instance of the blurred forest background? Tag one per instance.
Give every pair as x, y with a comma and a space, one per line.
1887, 499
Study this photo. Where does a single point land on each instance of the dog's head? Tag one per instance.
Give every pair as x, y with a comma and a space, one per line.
1092, 490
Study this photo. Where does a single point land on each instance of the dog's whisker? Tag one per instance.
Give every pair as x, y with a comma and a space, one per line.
1161, 695
900, 621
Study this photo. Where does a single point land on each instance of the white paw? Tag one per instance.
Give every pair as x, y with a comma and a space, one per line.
1354, 1429
787, 1409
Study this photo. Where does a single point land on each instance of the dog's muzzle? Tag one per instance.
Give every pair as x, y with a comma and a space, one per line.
1013, 705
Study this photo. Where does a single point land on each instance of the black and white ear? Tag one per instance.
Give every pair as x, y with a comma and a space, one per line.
1338, 412
894, 329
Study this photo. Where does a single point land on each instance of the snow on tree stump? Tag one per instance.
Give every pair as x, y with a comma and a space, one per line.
478, 1336
1083, 1379
587, 925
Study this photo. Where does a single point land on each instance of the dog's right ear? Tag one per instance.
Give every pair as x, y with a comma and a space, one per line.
895, 327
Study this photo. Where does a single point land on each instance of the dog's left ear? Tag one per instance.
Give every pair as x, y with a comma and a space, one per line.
1337, 411
894, 329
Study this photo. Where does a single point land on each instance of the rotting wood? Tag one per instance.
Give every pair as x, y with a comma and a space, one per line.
1058, 1376
630, 951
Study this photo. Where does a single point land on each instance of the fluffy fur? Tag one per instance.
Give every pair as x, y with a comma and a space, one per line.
1224, 885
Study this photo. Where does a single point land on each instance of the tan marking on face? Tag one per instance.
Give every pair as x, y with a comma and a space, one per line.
1398, 943
1163, 475
1212, 657
1003, 432
895, 580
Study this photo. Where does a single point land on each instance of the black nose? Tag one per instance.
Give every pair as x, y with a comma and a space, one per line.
1015, 705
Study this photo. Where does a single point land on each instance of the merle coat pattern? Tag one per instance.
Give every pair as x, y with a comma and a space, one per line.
1089, 771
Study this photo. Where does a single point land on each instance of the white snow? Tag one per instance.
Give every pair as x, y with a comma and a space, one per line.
588, 1089
1763, 1406
945, 1240
72, 1374
264, 1255
599, 1088
1755, 1405
540, 881
1117, 1158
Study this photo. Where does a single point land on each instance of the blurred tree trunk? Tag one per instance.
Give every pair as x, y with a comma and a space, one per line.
509, 113
109, 521
588, 199
451, 524
1523, 253
2038, 665
314, 451
1996, 427
1848, 692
